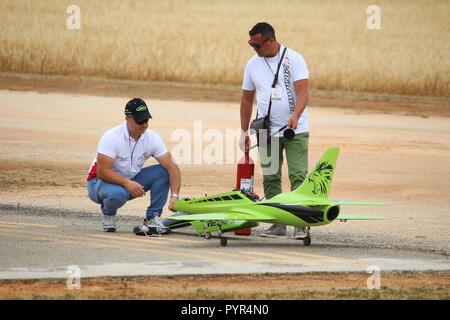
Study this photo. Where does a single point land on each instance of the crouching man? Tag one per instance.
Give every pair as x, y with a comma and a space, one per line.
117, 174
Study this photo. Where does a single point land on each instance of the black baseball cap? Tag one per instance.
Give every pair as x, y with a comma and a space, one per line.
137, 108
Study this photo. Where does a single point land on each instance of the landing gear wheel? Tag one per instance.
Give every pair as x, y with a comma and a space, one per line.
223, 242
208, 235
307, 241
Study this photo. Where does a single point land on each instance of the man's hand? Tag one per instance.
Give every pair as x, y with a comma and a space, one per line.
293, 122
172, 202
135, 189
244, 141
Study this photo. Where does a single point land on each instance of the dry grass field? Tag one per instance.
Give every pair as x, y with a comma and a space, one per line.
206, 41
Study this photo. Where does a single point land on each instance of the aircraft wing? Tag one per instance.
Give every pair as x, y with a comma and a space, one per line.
359, 203
221, 216
351, 216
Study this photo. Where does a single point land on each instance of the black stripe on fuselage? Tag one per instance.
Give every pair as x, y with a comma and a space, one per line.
305, 213
177, 224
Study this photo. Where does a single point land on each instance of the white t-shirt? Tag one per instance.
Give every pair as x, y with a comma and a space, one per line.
117, 143
259, 74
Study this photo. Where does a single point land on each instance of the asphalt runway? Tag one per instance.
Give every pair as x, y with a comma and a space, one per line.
43, 243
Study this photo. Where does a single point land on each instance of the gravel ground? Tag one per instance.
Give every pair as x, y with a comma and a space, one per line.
335, 234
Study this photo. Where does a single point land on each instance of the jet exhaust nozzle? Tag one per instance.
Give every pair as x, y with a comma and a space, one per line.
332, 213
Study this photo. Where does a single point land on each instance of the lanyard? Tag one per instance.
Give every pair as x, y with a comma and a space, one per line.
275, 80
278, 60
132, 151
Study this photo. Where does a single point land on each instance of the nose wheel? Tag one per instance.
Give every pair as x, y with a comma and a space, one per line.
223, 241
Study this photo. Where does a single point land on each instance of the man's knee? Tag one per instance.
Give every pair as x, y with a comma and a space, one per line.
116, 197
163, 174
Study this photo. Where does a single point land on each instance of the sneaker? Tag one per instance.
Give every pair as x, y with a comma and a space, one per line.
154, 227
300, 233
276, 230
160, 227
109, 223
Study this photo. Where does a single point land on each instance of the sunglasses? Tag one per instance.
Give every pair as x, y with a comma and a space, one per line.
256, 45
141, 122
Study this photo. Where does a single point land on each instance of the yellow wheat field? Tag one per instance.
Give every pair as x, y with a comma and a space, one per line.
206, 41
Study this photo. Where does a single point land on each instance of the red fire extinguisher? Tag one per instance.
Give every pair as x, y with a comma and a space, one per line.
244, 180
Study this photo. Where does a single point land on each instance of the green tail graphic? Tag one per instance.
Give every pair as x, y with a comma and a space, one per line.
318, 181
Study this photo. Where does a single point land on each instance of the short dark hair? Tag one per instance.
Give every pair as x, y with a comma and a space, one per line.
264, 28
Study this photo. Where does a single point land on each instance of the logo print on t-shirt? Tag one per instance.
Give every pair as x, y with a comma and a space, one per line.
288, 83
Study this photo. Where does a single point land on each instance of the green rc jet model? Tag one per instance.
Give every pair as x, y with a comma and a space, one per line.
307, 206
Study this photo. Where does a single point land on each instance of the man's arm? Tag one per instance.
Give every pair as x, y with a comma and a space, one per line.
301, 91
105, 172
246, 114
174, 177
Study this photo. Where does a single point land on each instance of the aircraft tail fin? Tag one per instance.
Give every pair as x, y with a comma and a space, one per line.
318, 182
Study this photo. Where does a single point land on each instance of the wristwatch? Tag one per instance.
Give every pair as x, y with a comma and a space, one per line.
175, 195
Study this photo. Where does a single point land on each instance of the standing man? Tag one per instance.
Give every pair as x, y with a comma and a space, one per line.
289, 107
116, 174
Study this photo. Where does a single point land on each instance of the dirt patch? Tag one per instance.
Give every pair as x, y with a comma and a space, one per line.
423, 106
394, 285
18, 175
